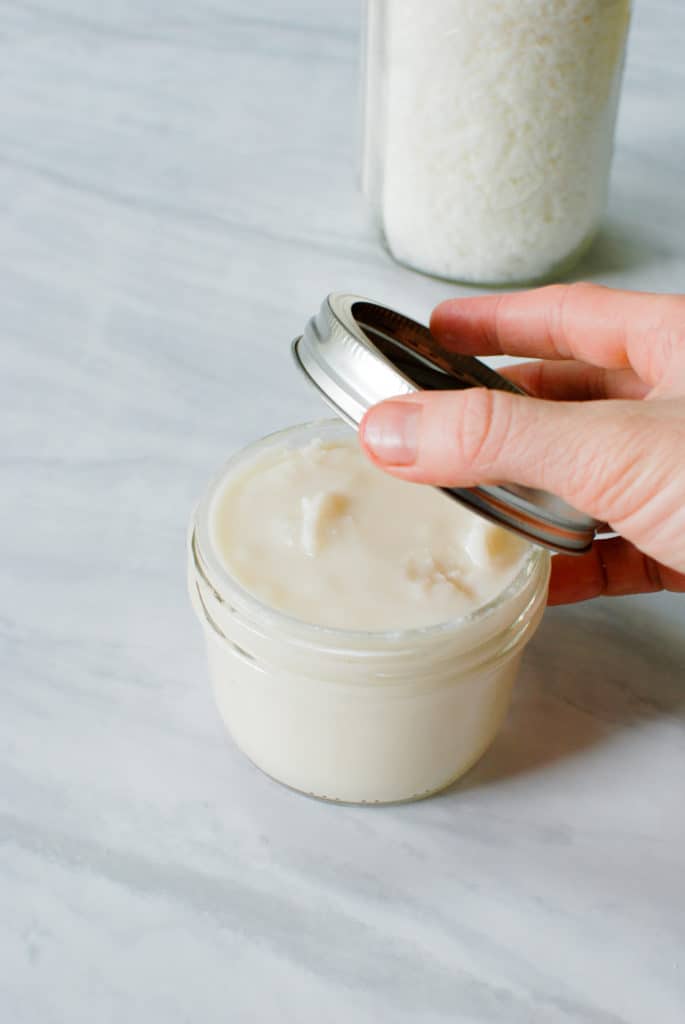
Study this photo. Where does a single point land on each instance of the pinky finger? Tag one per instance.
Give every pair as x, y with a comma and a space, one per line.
611, 568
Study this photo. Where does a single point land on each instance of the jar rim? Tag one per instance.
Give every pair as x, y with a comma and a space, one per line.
228, 590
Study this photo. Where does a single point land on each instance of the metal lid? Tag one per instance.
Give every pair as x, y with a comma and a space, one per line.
358, 353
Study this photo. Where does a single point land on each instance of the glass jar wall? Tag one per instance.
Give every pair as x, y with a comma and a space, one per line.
489, 131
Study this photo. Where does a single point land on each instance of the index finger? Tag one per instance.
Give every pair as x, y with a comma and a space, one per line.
597, 325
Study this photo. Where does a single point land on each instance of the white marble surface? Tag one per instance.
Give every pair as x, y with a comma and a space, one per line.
177, 193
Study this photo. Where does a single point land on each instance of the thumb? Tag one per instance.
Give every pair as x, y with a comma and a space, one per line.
592, 454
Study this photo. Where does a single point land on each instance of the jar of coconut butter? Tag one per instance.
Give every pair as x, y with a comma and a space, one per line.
364, 633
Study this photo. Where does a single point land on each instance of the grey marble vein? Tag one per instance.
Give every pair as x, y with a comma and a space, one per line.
177, 193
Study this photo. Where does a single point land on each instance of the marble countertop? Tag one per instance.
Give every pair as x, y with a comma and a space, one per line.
177, 194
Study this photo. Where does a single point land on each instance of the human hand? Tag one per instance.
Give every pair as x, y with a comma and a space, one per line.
604, 428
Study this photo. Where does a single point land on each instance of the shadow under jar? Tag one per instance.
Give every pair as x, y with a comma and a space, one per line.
489, 130
352, 716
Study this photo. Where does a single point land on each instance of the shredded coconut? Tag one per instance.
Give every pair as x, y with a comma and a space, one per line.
498, 126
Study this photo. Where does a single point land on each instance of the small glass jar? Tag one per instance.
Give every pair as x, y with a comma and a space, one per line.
489, 131
356, 717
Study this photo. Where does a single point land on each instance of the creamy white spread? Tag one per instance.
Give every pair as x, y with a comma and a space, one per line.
321, 534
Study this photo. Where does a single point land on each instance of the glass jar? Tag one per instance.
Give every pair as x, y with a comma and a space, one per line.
356, 717
489, 131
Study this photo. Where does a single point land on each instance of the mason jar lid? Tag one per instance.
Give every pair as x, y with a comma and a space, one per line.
357, 353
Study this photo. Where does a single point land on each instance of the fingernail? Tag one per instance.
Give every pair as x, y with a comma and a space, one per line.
391, 431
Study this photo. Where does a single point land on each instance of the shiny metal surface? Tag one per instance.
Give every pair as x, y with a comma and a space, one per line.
357, 353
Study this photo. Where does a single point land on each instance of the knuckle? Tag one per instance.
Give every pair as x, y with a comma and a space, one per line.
658, 350
560, 310
483, 426
500, 312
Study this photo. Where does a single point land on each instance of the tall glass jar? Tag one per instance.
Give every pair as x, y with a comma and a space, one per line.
489, 131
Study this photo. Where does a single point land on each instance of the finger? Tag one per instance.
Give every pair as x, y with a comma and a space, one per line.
597, 325
599, 457
611, 568
574, 382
